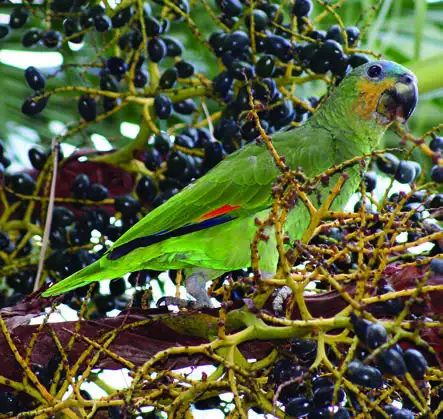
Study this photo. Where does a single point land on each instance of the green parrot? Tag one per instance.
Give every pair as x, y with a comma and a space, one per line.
208, 227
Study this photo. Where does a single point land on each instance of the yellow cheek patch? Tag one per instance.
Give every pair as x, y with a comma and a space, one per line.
366, 103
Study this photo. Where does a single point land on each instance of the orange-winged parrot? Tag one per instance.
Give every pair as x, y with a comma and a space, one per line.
207, 228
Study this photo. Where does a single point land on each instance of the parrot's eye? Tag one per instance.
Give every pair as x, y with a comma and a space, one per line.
375, 71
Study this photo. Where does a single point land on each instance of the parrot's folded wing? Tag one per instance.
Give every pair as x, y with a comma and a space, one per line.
239, 186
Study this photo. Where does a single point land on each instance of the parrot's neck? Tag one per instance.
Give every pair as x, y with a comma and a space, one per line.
361, 135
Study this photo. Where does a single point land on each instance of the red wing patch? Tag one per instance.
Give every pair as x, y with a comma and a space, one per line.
219, 211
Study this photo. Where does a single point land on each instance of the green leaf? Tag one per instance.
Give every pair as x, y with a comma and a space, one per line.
420, 18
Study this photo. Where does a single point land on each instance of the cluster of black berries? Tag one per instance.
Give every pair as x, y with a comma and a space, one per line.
275, 110
16, 243
408, 171
259, 51
419, 202
76, 232
418, 212
404, 171
390, 362
289, 376
80, 18
319, 405
277, 57
422, 212
17, 402
72, 234
290, 379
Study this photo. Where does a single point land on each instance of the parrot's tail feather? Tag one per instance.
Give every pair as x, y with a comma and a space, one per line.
91, 273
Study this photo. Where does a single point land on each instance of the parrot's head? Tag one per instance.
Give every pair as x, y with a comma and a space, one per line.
381, 92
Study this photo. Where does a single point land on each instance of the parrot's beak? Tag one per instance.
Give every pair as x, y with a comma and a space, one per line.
398, 102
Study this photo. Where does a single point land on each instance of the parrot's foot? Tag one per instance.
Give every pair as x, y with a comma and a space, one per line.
280, 298
196, 287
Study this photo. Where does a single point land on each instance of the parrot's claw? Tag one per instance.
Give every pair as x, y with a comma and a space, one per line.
195, 286
280, 298
180, 302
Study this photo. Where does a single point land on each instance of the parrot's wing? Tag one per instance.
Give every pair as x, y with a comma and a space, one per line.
238, 186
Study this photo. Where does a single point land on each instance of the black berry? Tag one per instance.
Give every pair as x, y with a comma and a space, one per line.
34, 78
97, 192
388, 163
62, 217
52, 39
391, 362
168, 78
376, 335
185, 69
146, 189
37, 158
127, 205
18, 17
80, 186
117, 287
33, 106
302, 8
437, 174
364, 375
117, 66
415, 363
156, 49
31, 37
162, 106
87, 108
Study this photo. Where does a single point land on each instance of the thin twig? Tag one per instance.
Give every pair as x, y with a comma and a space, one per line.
54, 146
208, 118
